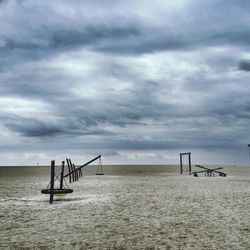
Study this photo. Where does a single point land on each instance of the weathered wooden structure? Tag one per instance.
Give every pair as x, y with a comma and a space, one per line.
189, 162
209, 171
74, 173
51, 188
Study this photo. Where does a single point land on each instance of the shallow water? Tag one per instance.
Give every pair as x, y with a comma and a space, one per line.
140, 207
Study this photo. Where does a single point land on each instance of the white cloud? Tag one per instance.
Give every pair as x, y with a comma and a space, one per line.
24, 107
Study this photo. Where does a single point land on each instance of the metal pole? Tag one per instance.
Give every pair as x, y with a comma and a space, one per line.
52, 178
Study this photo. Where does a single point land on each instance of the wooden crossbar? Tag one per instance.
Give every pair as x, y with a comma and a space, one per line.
84, 165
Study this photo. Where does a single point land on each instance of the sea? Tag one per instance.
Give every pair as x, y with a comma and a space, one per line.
129, 207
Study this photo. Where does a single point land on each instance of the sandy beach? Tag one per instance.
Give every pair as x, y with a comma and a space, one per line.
130, 207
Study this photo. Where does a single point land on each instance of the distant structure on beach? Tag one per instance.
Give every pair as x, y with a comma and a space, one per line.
189, 162
207, 171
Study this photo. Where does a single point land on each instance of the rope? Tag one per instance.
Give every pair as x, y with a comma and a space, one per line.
56, 177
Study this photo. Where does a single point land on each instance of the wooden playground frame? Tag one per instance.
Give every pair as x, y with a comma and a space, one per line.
189, 162
74, 173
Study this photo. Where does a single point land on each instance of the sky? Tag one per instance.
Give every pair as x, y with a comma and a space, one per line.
136, 81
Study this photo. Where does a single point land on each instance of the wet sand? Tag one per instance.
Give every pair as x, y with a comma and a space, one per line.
130, 207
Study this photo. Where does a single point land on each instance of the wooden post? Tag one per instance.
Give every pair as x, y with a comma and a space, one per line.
52, 179
189, 162
73, 171
80, 172
181, 163
76, 172
62, 176
69, 167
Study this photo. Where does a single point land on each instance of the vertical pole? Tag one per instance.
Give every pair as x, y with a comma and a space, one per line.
69, 167
76, 172
52, 179
73, 171
181, 163
62, 174
189, 162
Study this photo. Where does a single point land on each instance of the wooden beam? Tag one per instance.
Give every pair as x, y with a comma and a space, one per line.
189, 163
52, 179
62, 174
181, 164
69, 168
84, 165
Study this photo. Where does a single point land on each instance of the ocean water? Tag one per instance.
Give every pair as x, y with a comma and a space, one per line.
130, 207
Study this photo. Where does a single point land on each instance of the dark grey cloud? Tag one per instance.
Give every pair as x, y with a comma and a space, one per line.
61, 39
91, 35
42, 129
43, 32
32, 127
244, 65
237, 38
191, 30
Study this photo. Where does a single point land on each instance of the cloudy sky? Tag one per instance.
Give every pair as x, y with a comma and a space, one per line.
137, 81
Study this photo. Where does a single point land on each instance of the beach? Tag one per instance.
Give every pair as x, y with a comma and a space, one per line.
130, 207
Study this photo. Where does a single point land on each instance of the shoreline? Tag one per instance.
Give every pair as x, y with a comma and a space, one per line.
124, 165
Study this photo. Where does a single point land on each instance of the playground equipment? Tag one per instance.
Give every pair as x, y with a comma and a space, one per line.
74, 173
189, 162
51, 190
99, 170
209, 171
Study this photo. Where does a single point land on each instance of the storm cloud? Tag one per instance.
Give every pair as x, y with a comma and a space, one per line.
124, 78
244, 65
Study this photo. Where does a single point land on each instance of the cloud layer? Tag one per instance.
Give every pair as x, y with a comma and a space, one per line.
120, 77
